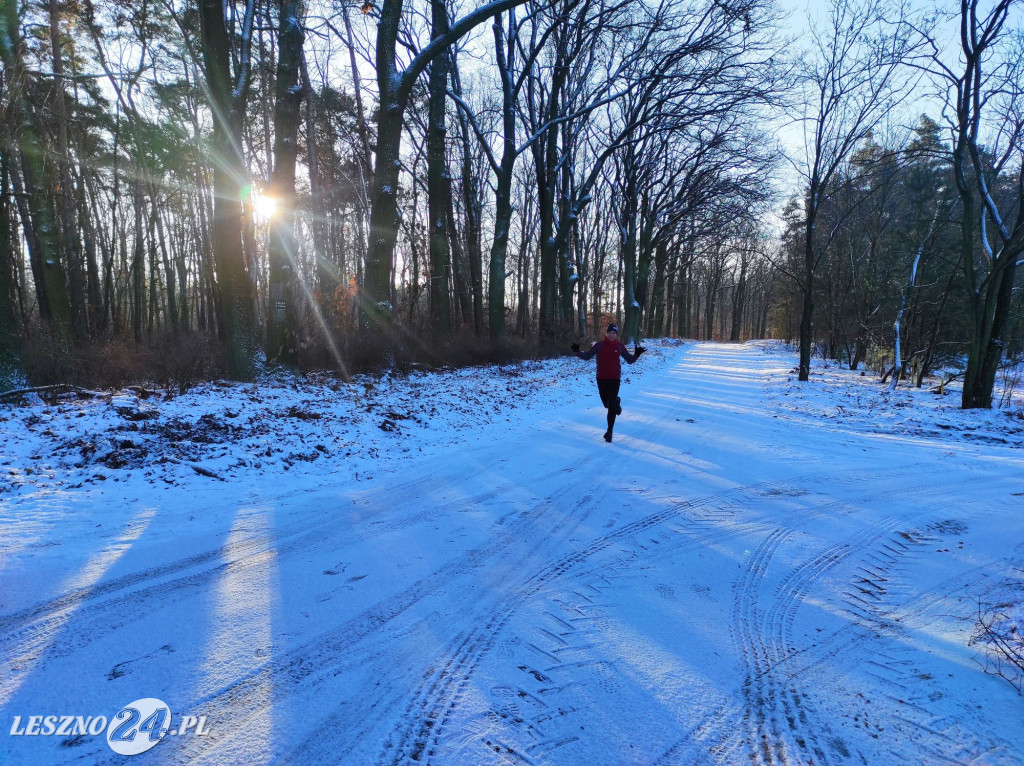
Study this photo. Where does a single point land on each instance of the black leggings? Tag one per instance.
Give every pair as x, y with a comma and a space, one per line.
609, 390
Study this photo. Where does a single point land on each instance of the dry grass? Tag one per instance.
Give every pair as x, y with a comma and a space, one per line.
176, 362
407, 351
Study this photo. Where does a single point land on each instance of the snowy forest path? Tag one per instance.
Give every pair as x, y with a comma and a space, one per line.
730, 581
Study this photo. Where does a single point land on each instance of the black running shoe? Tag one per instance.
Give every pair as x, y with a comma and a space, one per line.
618, 407
608, 436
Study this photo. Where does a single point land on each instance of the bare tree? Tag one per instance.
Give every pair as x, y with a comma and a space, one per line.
516, 57
394, 88
984, 97
852, 79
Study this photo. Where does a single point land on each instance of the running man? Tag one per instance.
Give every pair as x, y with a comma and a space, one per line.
609, 370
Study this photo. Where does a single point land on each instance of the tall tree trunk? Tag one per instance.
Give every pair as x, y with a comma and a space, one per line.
89, 236
685, 310
283, 268
634, 320
739, 300
583, 271
989, 295
327, 274
394, 88
227, 103
153, 323
463, 286
364, 164
376, 307
527, 263
209, 291
41, 218
35, 208
439, 190
711, 287
656, 313
989, 324
990, 301
545, 154
138, 260
766, 305
524, 264
35, 246
11, 371
567, 276
503, 194
807, 285
184, 296
70, 242
548, 252
663, 323
169, 276
471, 201
628, 245
366, 154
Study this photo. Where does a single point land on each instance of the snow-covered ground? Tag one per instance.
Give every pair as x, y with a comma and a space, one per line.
456, 569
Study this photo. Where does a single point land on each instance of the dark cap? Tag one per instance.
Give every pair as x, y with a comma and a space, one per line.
612, 328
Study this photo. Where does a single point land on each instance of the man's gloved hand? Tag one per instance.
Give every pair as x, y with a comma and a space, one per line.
638, 350
575, 348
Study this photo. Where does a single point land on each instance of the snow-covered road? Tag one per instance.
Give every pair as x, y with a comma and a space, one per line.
736, 579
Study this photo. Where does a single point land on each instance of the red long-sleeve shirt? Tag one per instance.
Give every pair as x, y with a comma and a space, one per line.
608, 353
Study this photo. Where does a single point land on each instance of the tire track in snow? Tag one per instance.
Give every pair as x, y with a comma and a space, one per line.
418, 735
575, 611
249, 546
951, 739
689, 537
763, 737
104, 608
765, 636
878, 630
337, 650
789, 597
434, 700
786, 663
473, 644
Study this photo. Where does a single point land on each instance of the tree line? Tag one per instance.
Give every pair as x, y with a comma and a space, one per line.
330, 183
925, 232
